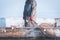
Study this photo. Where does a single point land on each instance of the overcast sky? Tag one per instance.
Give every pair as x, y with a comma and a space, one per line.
45, 8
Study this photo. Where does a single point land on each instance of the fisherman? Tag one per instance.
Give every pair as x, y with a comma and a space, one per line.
29, 11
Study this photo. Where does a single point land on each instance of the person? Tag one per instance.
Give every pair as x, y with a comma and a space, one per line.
29, 11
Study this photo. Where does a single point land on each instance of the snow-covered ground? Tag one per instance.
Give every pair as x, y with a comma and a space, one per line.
45, 20
19, 21
14, 22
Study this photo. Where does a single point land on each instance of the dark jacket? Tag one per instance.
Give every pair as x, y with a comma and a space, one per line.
28, 8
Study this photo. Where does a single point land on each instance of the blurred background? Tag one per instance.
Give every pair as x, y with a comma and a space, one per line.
11, 11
